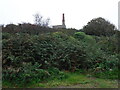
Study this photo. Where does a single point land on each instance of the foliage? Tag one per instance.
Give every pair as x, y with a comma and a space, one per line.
29, 74
39, 20
81, 36
109, 74
109, 44
38, 57
73, 80
98, 58
28, 28
99, 27
49, 50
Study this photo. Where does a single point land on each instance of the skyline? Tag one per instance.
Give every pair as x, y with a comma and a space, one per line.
77, 13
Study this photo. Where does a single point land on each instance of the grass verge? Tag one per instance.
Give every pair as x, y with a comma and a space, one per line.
77, 80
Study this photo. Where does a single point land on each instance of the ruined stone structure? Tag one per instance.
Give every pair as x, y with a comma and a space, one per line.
63, 23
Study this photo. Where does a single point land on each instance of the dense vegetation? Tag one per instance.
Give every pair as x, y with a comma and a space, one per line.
33, 54
99, 27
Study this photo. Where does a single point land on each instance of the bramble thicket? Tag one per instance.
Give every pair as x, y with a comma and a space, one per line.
33, 53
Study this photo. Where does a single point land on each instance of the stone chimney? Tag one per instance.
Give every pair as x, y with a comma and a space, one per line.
63, 26
63, 20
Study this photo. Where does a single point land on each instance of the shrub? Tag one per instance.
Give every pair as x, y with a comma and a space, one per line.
80, 35
49, 50
109, 74
44, 56
30, 73
96, 56
24, 74
99, 27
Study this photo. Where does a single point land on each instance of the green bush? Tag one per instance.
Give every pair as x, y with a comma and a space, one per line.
57, 50
80, 35
28, 74
51, 50
108, 44
28, 58
86, 39
109, 74
97, 57
99, 27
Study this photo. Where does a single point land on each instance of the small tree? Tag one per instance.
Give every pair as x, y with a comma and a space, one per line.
46, 22
99, 26
39, 20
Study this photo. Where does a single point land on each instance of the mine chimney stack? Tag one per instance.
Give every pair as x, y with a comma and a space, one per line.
63, 19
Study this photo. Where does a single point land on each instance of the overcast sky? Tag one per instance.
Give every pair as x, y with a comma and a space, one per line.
77, 12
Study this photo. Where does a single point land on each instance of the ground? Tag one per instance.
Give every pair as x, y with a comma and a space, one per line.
79, 81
